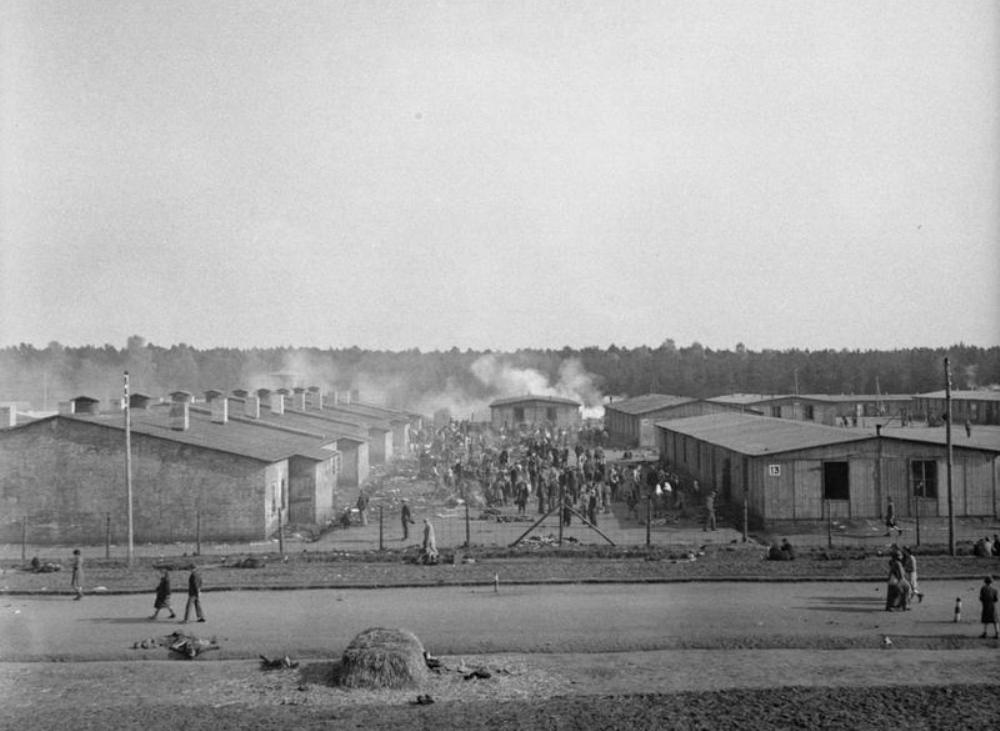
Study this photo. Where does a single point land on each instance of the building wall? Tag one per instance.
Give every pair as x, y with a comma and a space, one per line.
536, 412
380, 446
67, 476
975, 411
312, 490
401, 437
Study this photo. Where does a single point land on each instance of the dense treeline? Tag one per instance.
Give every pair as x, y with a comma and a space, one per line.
42, 377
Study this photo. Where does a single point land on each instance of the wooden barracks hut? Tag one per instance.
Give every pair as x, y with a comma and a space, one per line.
794, 470
560, 412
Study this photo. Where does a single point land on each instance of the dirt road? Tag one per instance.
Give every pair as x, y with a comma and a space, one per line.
540, 642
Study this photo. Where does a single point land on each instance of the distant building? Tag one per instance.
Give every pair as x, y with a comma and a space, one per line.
976, 407
792, 470
561, 413
630, 422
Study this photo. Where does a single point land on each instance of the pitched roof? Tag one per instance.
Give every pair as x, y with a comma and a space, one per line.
316, 422
986, 438
367, 421
758, 435
246, 439
964, 395
532, 399
744, 398
648, 402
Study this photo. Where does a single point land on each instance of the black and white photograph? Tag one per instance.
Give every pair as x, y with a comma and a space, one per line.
488, 364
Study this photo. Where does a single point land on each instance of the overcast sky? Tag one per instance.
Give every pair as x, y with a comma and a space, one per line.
500, 174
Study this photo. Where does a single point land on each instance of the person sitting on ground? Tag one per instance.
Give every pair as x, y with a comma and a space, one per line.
983, 548
786, 548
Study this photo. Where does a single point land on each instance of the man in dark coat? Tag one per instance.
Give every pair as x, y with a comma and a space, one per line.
194, 596
988, 598
406, 518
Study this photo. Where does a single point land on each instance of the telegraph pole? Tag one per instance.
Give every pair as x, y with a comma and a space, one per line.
947, 431
128, 471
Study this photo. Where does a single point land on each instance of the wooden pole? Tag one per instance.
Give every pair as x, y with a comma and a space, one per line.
649, 518
128, 472
107, 536
381, 544
829, 525
562, 502
468, 538
197, 533
281, 532
24, 538
947, 431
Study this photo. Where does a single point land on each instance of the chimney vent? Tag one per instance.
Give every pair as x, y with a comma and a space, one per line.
299, 399
180, 419
8, 416
314, 398
220, 410
67, 407
277, 404
251, 407
240, 393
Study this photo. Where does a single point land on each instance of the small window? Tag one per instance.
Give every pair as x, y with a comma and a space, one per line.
923, 475
808, 412
836, 482
550, 413
776, 411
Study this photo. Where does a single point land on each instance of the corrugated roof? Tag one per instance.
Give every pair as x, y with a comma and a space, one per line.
246, 439
648, 402
758, 435
964, 395
541, 399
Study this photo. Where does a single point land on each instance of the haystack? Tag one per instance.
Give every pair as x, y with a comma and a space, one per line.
383, 658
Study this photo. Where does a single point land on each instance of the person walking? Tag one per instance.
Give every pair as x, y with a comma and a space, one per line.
194, 596
890, 519
406, 519
363, 508
428, 549
988, 598
710, 511
910, 569
162, 600
897, 587
76, 580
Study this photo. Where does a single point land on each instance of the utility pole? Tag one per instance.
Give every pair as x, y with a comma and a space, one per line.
128, 472
947, 431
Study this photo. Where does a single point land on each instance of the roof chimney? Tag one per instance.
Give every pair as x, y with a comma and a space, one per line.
181, 397
299, 399
277, 403
251, 407
211, 395
314, 398
67, 407
138, 401
180, 419
8, 416
220, 410
85, 405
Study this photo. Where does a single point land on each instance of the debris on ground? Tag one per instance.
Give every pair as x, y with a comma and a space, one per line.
283, 663
423, 700
250, 562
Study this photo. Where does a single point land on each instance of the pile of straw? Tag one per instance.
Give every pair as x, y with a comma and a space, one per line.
383, 658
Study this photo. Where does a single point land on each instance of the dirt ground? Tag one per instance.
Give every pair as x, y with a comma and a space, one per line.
788, 655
